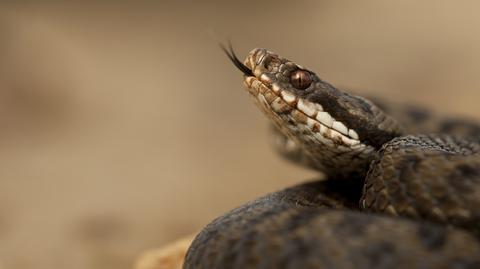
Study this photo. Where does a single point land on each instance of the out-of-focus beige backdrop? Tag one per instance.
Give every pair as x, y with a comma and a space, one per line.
123, 126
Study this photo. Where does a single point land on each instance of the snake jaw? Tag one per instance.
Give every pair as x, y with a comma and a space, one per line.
276, 103
272, 94
327, 147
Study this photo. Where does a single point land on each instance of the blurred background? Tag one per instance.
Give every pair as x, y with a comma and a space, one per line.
123, 126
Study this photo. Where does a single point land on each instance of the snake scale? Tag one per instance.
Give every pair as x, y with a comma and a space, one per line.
402, 186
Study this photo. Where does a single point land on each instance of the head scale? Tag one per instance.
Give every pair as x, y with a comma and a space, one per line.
338, 131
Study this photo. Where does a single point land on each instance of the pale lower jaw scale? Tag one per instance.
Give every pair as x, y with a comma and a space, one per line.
249, 80
340, 127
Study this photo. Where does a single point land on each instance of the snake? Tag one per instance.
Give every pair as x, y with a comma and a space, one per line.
401, 184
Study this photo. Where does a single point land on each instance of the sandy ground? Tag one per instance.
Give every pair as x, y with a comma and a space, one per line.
124, 127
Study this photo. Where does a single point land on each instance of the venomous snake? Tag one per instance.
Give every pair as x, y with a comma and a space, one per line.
402, 186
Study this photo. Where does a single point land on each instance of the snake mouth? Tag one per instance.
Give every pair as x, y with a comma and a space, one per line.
301, 114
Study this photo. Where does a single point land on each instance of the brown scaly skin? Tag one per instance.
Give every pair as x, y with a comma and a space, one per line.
392, 198
310, 226
434, 177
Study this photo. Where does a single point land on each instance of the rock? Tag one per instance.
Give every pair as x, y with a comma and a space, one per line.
168, 257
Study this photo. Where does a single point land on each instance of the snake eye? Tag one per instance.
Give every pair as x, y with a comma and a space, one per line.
300, 79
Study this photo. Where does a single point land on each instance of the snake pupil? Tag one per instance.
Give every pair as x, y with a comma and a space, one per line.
300, 79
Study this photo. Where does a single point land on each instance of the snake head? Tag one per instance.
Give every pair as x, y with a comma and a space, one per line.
332, 126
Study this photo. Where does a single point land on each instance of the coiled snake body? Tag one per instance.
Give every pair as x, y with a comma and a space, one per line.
402, 186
